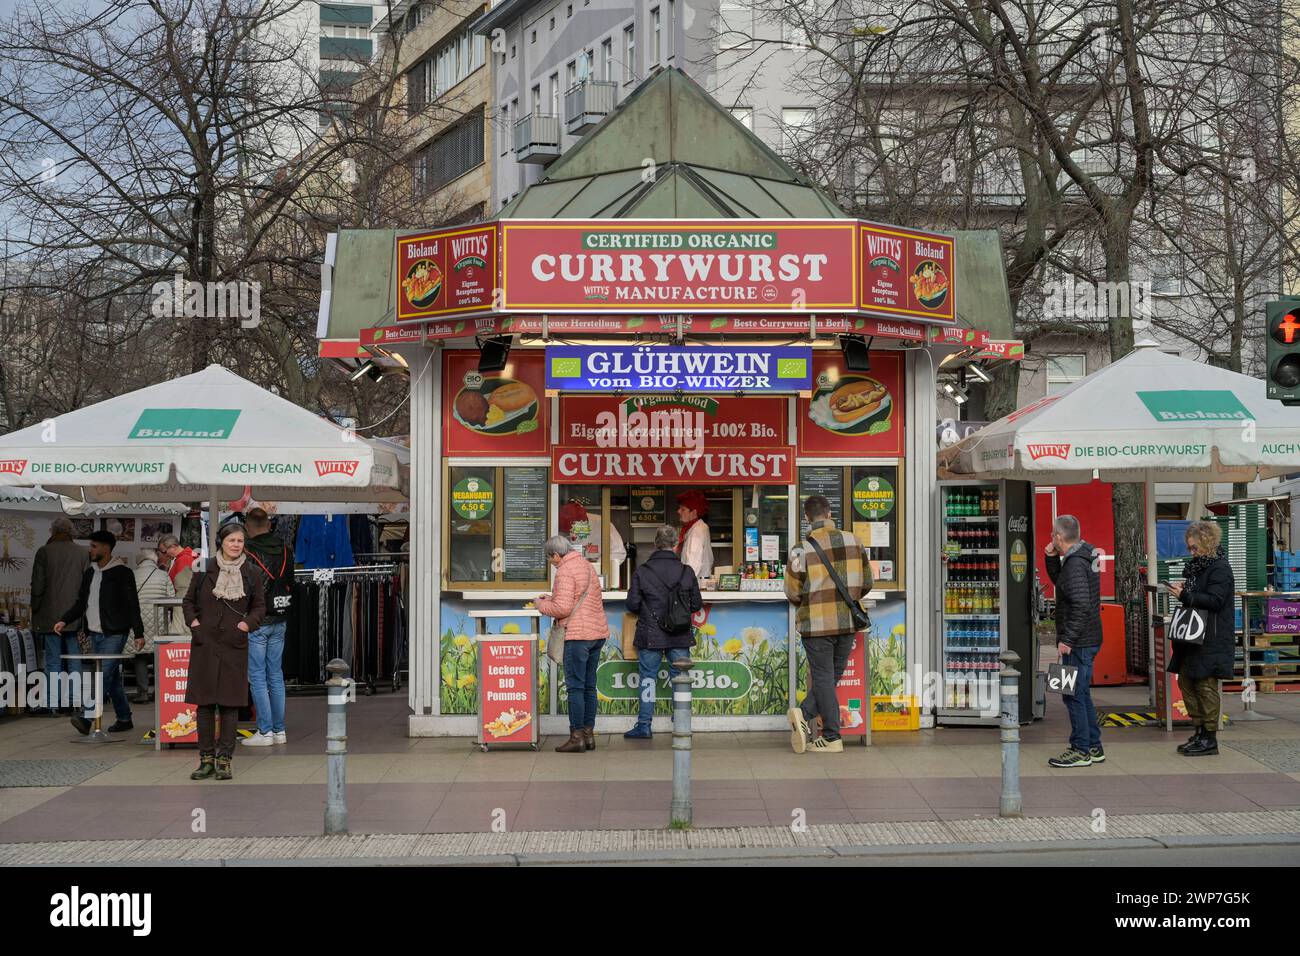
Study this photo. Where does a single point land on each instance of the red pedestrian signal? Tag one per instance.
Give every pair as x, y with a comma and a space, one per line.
1283, 351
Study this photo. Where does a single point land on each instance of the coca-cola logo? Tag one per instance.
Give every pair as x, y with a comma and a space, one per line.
345, 467
13, 466
505, 650
1049, 451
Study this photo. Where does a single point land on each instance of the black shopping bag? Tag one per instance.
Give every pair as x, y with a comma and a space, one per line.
1062, 678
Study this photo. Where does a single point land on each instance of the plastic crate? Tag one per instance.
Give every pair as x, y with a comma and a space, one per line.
886, 714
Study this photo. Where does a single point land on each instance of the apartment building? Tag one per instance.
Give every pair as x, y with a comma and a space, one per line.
443, 72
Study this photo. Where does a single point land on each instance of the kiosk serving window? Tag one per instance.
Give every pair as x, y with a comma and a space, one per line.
866, 500
497, 522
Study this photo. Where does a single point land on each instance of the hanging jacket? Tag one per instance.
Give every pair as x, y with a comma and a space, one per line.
324, 543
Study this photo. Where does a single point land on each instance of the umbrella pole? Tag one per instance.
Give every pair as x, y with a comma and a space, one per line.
214, 512
1151, 583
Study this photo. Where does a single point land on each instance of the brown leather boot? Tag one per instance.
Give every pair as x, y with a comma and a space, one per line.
589, 734
576, 744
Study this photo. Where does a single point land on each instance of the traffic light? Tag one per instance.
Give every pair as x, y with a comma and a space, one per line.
1283, 329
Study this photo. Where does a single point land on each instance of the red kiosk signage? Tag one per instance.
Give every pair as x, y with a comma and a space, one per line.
679, 265
851, 692
447, 272
853, 413
907, 273
178, 722
495, 413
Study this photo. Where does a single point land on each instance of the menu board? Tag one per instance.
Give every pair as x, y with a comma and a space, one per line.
648, 505
178, 722
524, 513
825, 480
507, 704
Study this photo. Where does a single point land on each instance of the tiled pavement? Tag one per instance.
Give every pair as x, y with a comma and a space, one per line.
403, 785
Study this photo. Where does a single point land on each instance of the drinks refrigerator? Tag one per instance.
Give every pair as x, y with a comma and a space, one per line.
986, 594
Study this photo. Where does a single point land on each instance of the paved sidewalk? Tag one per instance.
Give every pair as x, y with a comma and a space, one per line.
431, 786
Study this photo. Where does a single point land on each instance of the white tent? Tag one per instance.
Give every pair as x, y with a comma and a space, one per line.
1150, 417
211, 436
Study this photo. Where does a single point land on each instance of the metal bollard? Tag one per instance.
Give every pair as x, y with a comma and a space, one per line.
336, 746
680, 813
1010, 805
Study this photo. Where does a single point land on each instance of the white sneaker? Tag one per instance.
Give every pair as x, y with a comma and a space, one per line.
258, 739
281, 737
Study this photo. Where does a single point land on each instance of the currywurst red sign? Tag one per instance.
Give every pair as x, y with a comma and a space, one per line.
579, 465
681, 265
906, 273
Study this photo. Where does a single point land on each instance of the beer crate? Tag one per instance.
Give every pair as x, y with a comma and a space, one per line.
889, 714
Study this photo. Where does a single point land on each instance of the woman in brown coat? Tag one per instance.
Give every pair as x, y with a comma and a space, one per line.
222, 605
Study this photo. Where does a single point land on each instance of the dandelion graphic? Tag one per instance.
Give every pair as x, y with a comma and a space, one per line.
511, 628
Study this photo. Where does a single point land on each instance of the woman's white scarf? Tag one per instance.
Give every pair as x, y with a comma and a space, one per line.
230, 581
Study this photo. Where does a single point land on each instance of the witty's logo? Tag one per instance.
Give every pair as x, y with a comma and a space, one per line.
13, 466
346, 467
506, 650
1049, 451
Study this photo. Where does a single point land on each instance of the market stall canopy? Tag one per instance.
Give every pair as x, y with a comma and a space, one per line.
1151, 416
210, 433
38, 499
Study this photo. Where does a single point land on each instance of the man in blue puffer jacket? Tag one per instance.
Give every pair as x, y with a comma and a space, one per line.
1073, 567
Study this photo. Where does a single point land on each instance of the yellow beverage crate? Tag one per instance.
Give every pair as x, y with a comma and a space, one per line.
888, 713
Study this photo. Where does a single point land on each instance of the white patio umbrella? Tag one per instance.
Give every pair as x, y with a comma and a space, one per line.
1149, 417
209, 437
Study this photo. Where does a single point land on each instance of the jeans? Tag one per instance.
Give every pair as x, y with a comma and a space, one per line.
1085, 732
113, 686
266, 676
827, 658
648, 661
580, 661
62, 692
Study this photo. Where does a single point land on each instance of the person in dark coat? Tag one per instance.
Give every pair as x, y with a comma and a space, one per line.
1073, 567
647, 596
223, 604
1208, 585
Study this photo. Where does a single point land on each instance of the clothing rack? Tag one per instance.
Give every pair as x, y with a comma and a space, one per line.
356, 613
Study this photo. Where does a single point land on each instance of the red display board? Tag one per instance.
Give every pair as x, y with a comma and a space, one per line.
851, 692
667, 422
681, 265
853, 414
598, 466
498, 413
446, 272
907, 273
507, 689
177, 720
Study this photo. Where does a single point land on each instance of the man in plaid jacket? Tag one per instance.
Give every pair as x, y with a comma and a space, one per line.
824, 622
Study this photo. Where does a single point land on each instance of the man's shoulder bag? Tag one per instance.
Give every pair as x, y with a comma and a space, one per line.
861, 619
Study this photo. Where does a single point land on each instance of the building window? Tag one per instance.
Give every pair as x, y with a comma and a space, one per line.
534, 37
537, 99
453, 153
607, 60
555, 94
1064, 370
505, 125
656, 38
793, 124
513, 50
552, 26
672, 28
629, 55
584, 66
735, 24
744, 115
569, 12
450, 63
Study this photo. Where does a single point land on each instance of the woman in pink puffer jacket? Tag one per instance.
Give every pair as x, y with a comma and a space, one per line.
586, 630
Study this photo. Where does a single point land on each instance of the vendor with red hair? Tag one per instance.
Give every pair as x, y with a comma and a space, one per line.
693, 545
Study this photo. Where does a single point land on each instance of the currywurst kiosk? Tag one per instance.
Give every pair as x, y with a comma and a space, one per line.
584, 376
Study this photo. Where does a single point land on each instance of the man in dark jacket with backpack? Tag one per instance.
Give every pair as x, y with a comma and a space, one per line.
664, 593
1073, 568
273, 556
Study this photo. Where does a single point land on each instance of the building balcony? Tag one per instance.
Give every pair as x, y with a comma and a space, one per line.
537, 138
587, 103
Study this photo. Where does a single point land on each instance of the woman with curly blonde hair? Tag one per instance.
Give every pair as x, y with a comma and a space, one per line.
1208, 585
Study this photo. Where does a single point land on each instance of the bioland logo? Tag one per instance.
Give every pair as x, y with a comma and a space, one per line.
184, 298
76, 909
345, 467
173, 423
1070, 299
